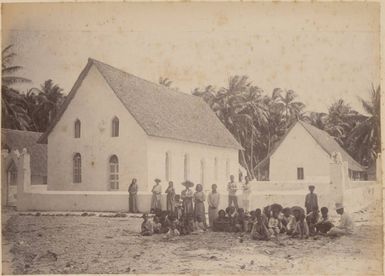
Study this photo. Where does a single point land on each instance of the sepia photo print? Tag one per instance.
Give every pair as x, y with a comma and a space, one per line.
191, 138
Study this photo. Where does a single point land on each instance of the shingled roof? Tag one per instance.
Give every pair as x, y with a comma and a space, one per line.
327, 143
160, 111
19, 139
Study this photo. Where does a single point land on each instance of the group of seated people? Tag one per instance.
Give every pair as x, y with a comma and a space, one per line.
273, 220
172, 223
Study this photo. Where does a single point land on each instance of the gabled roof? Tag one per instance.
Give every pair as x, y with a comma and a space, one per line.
160, 111
326, 142
19, 139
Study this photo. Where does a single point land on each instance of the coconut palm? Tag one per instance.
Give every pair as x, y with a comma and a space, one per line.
364, 140
284, 100
13, 106
47, 101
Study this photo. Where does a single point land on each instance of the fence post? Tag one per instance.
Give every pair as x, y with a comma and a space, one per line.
23, 176
338, 180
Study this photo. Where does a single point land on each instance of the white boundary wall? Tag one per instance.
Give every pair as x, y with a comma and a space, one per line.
355, 195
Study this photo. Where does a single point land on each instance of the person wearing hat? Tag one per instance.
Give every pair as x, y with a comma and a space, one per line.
345, 225
187, 197
311, 200
146, 228
156, 195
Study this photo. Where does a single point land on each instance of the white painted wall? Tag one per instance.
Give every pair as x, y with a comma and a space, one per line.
157, 148
299, 149
95, 105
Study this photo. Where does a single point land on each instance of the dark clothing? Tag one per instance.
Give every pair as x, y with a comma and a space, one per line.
311, 202
222, 224
133, 199
170, 199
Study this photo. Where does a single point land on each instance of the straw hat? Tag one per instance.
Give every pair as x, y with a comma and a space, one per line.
339, 206
188, 183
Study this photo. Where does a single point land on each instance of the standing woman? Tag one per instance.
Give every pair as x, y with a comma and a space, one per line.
170, 191
246, 194
156, 195
199, 199
133, 190
187, 197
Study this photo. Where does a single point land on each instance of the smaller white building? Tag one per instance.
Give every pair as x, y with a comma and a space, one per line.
304, 153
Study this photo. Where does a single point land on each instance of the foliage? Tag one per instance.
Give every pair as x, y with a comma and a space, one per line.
26, 111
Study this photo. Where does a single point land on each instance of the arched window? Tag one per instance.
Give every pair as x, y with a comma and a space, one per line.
186, 166
216, 168
114, 173
77, 168
227, 168
115, 127
168, 166
77, 128
203, 167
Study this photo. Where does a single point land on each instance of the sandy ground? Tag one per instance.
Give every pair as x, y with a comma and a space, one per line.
91, 244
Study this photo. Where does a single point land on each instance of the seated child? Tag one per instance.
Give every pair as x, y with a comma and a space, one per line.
172, 226
199, 224
233, 219
260, 230
274, 224
222, 222
156, 225
312, 218
146, 228
240, 220
288, 221
250, 221
267, 212
324, 224
301, 228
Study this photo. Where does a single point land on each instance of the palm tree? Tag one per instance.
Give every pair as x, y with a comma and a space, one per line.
13, 107
341, 120
290, 108
364, 140
47, 100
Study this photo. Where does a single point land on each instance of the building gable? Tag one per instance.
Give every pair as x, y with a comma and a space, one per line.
160, 111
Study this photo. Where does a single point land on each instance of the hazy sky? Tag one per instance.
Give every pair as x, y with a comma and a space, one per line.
323, 51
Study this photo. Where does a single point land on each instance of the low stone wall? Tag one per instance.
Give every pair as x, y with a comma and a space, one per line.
289, 186
81, 201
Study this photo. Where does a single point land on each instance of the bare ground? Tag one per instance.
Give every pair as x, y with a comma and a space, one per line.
91, 244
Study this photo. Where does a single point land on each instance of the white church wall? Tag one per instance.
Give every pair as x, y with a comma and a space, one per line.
299, 150
157, 148
95, 105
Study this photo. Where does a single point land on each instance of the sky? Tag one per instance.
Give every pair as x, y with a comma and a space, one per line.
322, 51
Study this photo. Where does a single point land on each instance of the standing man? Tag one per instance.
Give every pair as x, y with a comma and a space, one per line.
156, 195
213, 201
345, 226
311, 200
232, 188
133, 190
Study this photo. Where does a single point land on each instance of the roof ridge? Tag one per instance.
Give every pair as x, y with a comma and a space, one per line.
19, 130
168, 89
